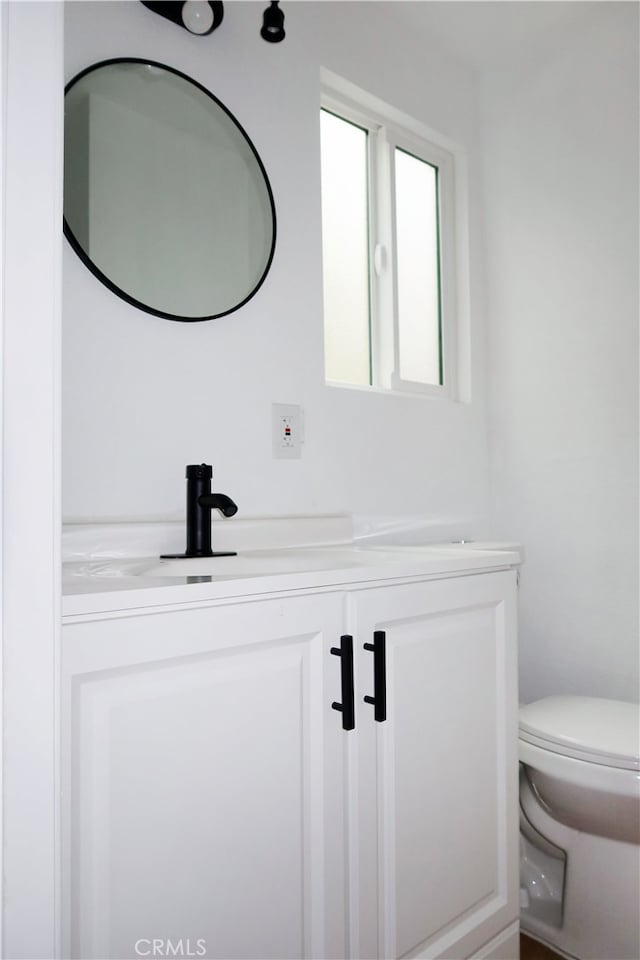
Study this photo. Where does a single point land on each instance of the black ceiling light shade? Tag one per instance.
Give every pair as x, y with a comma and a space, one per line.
200, 17
273, 23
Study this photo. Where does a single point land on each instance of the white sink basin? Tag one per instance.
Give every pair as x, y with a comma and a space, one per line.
112, 573
269, 563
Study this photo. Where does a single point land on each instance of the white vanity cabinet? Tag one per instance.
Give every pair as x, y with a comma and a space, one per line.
437, 860
203, 769
212, 797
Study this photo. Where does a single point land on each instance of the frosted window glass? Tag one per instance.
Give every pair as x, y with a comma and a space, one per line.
417, 250
345, 250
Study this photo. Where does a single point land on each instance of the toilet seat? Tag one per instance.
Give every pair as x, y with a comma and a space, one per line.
595, 731
580, 825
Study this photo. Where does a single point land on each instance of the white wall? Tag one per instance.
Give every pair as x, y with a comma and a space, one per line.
31, 106
561, 164
144, 396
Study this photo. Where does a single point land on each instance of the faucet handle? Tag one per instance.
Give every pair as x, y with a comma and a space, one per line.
199, 471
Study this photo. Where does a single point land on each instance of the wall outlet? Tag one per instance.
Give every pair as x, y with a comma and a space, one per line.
286, 420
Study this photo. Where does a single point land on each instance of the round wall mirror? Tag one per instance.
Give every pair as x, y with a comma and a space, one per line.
166, 200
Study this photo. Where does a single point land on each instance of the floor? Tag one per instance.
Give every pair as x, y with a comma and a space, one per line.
532, 950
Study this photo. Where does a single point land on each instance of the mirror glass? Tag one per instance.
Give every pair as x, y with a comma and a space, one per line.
165, 197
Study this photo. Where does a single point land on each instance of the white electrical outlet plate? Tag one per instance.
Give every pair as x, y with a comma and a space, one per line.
286, 421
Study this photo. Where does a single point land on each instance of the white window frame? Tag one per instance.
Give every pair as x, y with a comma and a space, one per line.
389, 129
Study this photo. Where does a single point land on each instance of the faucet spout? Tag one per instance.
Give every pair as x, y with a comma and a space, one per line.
218, 501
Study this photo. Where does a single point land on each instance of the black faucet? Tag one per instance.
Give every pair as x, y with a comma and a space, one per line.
200, 503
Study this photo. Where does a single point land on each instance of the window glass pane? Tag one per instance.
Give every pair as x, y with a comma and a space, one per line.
345, 249
416, 191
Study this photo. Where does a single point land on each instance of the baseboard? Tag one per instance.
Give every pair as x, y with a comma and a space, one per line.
506, 946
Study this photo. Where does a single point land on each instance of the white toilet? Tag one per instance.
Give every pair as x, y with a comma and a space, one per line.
580, 826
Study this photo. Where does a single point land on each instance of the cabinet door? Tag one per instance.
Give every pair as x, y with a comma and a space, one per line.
434, 866
202, 778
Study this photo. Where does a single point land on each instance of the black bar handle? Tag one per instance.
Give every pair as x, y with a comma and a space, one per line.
379, 698
347, 708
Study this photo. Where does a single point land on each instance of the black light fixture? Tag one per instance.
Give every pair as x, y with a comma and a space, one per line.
197, 16
204, 16
273, 23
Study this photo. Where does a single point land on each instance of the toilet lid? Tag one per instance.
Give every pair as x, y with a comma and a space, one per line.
589, 728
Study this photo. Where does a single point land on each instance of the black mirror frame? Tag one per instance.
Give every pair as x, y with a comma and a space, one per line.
95, 270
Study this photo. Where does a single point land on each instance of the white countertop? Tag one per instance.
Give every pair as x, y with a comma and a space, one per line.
108, 585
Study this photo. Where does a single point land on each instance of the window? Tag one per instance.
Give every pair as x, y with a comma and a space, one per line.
345, 250
388, 252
